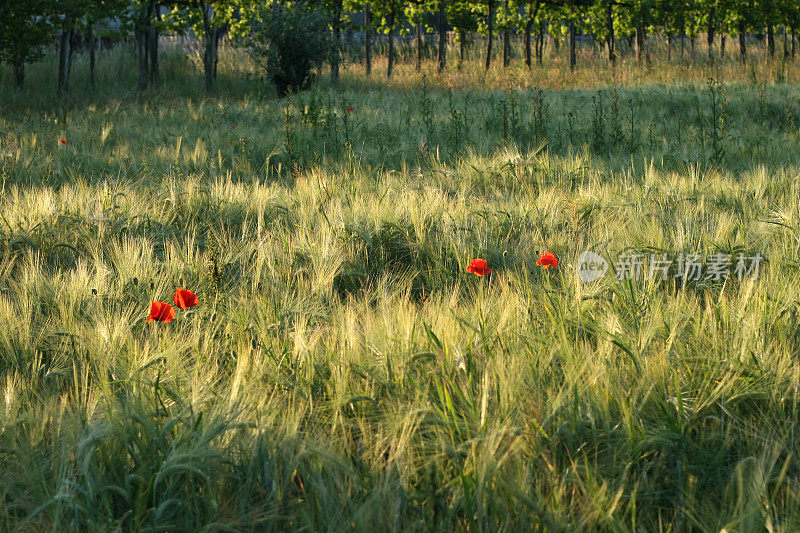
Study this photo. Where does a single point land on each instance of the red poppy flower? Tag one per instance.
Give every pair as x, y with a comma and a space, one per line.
185, 299
349, 108
63, 141
547, 260
478, 267
162, 312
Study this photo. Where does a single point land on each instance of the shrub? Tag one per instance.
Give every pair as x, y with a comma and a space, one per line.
288, 42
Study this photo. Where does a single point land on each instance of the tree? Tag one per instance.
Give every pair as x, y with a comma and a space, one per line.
24, 30
416, 14
64, 15
531, 12
367, 38
792, 10
365, 6
641, 17
390, 15
490, 15
209, 19
335, 9
745, 16
610, 41
575, 12
143, 15
442, 23
96, 13
602, 21
506, 20
288, 41
461, 15
768, 16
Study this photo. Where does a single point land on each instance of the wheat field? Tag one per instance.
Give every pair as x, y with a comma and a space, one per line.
343, 371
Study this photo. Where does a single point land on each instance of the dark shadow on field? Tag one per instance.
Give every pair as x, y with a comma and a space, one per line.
247, 132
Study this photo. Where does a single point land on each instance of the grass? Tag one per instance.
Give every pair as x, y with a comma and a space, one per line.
343, 370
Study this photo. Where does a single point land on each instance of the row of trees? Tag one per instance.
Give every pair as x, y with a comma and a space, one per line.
606, 21
28, 26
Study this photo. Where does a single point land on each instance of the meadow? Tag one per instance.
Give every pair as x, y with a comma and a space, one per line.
343, 371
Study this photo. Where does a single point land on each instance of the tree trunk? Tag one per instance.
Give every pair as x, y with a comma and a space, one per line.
722, 40
572, 54
92, 57
794, 31
742, 42
145, 29
19, 72
418, 65
367, 40
612, 56
771, 41
490, 25
528, 29
711, 27
142, 31
65, 42
442, 35
533, 10
785, 43
218, 34
141, 49
211, 38
669, 47
63, 60
73, 45
462, 36
506, 36
152, 41
390, 63
540, 54
337, 37
506, 57
209, 58
639, 43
